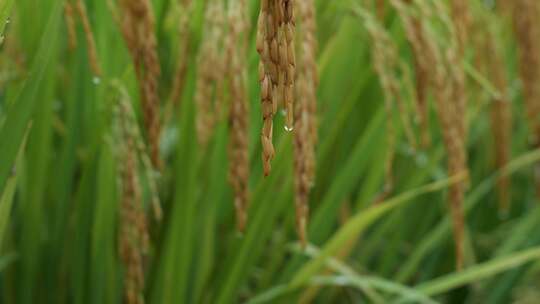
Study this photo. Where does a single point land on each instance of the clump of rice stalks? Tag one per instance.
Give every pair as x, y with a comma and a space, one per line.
389, 68
447, 80
69, 16
305, 136
526, 14
275, 44
133, 233
210, 74
236, 48
138, 25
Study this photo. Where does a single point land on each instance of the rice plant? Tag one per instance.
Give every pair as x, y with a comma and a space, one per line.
269, 151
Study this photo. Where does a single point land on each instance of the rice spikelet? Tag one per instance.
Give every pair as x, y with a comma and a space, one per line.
305, 134
138, 26
239, 112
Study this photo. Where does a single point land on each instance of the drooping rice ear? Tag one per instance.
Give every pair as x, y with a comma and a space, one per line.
185, 38
527, 31
69, 16
462, 28
138, 28
275, 45
210, 75
494, 68
238, 150
133, 231
416, 38
267, 29
89, 35
305, 118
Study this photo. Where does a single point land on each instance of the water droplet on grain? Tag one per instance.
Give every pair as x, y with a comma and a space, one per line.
96, 80
289, 129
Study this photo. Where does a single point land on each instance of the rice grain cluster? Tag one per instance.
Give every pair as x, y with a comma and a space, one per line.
138, 28
275, 45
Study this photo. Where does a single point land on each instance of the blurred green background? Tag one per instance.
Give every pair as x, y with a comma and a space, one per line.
59, 162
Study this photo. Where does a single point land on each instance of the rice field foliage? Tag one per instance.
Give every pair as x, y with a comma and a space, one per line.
269, 151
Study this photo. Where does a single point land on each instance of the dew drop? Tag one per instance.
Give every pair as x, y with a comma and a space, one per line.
96, 80
289, 129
